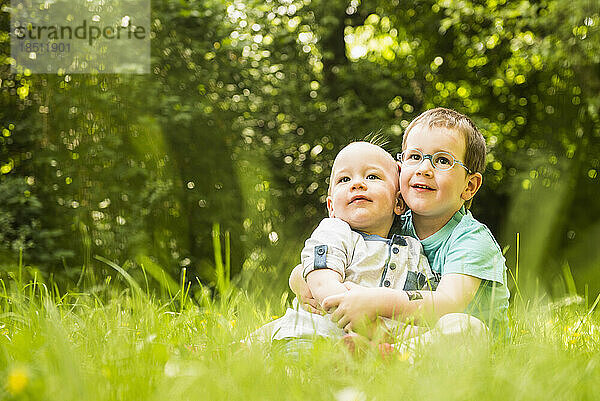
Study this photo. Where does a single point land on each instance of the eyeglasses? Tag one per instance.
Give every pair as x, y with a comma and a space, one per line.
442, 161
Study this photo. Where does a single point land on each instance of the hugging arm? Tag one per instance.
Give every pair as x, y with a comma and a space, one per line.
362, 304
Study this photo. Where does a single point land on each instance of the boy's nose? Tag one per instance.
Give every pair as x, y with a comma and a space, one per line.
426, 167
358, 184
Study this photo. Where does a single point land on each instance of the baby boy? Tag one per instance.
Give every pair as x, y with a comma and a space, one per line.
352, 244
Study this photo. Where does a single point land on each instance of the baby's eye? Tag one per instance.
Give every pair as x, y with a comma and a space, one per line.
414, 156
344, 179
373, 177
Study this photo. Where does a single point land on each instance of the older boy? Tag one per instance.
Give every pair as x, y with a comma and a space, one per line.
352, 245
441, 166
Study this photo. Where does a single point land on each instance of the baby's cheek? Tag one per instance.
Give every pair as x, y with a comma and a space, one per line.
402, 182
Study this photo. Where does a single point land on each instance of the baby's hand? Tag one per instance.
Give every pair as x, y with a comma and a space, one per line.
300, 288
307, 302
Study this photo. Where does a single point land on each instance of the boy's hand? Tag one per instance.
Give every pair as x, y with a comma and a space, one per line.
308, 302
300, 288
356, 309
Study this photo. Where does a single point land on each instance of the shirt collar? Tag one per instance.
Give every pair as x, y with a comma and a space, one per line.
435, 240
370, 237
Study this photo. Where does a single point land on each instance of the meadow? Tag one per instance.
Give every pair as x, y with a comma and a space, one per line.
119, 340
231, 137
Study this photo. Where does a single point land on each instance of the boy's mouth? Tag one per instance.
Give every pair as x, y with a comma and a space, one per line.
359, 198
422, 187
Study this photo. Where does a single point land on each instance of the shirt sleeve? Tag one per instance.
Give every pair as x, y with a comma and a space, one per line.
330, 246
476, 253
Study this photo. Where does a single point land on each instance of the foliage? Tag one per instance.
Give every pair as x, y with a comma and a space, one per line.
249, 101
20, 214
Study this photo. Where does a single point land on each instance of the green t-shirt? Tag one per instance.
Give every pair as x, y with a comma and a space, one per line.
467, 246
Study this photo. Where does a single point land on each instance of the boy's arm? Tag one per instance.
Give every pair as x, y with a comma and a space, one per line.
362, 304
325, 256
473, 256
323, 283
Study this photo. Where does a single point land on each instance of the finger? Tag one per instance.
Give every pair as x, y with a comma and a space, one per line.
306, 294
336, 314
343, 322
348, 327
332, 301
310, 308
309, 300
363, 328
319, 308
312, 302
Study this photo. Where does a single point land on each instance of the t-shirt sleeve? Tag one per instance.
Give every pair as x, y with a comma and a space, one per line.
475, 253
330, 246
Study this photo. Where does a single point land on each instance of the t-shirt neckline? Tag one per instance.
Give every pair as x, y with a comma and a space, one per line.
436, 239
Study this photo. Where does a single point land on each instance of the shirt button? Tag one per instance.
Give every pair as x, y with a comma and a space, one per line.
387, 283
320, 251
395, 249
392, 266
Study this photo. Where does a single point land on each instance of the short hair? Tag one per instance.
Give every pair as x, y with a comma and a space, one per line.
475, 149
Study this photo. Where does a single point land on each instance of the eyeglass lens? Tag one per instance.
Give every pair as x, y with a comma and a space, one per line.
440, 160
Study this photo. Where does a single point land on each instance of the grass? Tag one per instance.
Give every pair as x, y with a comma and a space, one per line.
117, 341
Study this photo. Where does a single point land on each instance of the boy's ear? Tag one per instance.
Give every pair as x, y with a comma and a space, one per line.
400, 205
473, 185
330, 206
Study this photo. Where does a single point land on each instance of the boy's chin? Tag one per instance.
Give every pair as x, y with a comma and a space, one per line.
366, 228
360, 226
